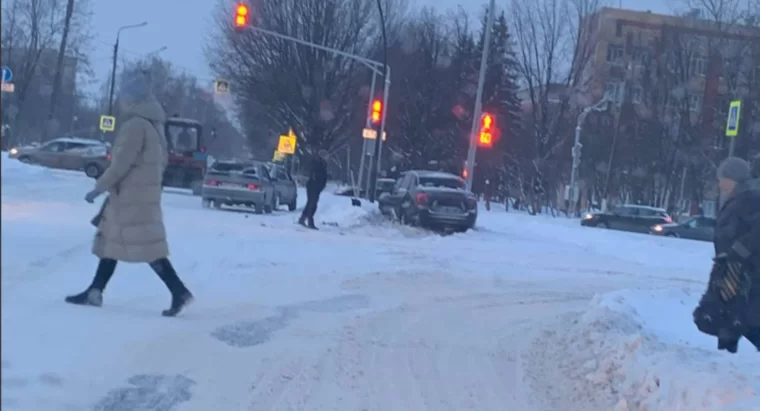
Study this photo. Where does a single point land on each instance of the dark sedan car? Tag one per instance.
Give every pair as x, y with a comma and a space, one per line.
431, 199
699, 228
633, 218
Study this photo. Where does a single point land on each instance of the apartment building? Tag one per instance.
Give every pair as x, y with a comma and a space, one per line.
670, 62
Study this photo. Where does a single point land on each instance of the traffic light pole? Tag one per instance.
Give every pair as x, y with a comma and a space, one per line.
368, 124
479, 94
371, 64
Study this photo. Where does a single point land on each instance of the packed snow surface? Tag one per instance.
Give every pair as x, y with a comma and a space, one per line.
522, 313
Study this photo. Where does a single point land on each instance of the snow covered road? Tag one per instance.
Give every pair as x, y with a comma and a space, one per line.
363, 315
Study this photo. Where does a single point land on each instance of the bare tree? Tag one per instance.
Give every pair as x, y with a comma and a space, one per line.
551, 65
278, 84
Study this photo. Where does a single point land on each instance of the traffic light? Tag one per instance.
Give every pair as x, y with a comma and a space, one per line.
241, 15
377, 112
485, 138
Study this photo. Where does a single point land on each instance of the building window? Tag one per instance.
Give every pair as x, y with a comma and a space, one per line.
636, 94
641, 56
615, 53
698, 65
613, 91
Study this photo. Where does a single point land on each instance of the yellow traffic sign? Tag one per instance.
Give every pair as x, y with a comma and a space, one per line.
221, 86
732, 123
278, 156
287, 143
107, 123
371, 134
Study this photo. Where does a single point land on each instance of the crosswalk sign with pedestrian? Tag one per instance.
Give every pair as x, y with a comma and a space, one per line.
107, 123
732, 123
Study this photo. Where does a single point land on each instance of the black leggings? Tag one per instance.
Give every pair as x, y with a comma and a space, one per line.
312, 199
162, 267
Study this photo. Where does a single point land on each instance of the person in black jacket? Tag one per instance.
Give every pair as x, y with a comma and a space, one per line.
730, 308
314, 186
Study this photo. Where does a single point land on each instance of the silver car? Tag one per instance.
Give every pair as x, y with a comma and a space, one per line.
239, 184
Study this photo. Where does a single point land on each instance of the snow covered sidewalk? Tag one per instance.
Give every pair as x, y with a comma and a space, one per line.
641, 348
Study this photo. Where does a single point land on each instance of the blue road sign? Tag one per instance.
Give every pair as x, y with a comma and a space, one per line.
7, 74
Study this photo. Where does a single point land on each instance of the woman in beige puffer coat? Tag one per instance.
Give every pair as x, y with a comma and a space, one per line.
130, 225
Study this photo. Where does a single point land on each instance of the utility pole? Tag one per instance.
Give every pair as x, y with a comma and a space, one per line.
379, 137
479, 94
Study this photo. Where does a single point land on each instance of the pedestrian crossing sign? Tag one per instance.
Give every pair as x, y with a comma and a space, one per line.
287, 143
732, 123
107, 123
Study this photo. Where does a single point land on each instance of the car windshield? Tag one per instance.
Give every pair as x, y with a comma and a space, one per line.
439, 182
182, 137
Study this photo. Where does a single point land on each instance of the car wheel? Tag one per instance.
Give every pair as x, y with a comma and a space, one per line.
292, 205
671, 234
93, 170
24, 159
602, 225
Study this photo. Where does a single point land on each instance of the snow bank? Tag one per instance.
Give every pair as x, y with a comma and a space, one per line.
642, 349
14, 171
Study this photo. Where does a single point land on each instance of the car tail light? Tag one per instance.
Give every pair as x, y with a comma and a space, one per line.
254, 187
108, 156
212, 182
421, 199
668, 220
472, 203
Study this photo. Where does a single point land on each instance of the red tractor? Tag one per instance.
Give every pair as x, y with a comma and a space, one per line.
187, 154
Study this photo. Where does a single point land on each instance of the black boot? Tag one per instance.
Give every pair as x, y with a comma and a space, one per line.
90, 296
311, 224
302, 220
181, 296
93, 295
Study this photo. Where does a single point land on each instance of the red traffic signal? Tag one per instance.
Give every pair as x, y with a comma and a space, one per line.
485, 137
241, 15
376, 114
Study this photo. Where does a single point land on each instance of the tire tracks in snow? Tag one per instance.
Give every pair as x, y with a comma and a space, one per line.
453, 354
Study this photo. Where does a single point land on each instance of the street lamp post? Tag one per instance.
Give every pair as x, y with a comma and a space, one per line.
364, 141
479, 94
115, 56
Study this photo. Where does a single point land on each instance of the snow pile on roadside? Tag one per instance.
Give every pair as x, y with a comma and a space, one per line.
641, 350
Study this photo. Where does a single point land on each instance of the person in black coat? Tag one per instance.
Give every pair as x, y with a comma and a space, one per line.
730, 308
314, 186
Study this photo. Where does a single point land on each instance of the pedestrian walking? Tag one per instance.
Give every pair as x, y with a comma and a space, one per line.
730, 308
314, 186
130, 225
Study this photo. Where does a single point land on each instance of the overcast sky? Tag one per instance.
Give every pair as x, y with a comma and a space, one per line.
180, 25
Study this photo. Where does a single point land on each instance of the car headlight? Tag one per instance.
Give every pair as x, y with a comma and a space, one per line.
588, 216
657, 228
14, 151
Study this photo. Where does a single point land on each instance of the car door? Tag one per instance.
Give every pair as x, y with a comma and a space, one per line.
408, 207
268, 181
72, 157
286, 186
620, 218
50, 154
